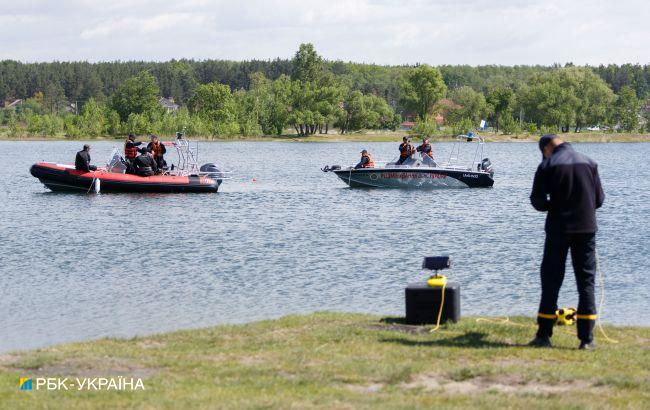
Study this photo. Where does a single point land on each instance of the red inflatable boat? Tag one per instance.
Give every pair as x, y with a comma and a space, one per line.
184, 175
59, 177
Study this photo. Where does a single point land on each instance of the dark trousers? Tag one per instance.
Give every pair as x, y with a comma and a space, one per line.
160, 161
583, 256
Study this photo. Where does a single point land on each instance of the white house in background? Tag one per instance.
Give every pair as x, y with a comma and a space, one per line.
168, 104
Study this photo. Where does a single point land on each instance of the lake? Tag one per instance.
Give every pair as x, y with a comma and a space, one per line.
282, 237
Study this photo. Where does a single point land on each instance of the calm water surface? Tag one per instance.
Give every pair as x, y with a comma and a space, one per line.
282, 237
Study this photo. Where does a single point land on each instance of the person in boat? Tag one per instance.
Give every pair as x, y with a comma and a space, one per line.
425, 148
82, 160
144, 164
366, 160
426, 151
567, 187
158, 150
406, 151
131, 148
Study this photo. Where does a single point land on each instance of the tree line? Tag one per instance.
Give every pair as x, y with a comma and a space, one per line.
309, 95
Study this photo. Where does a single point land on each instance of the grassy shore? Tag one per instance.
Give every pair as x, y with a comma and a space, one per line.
368, 137
330, 360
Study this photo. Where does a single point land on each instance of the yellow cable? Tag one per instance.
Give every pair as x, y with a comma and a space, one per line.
442, 303
602, 300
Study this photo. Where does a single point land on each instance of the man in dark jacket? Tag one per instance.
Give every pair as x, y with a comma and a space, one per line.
144, 164
567, 187
82, 160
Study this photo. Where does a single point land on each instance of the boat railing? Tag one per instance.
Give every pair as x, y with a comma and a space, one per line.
454, 154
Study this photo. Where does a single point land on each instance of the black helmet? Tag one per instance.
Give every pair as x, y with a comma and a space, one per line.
131, 136
364, 151
405, 138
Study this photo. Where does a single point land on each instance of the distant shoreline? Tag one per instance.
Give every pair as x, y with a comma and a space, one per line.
365, 137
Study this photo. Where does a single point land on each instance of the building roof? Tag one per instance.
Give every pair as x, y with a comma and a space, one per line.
168, 103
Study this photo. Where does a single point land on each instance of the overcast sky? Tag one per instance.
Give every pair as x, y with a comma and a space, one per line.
472, 32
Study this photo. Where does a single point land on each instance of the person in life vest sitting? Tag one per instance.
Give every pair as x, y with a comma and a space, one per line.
131, 148
144, 164
366, 161
406, 151
158, 150
426, 151
82, 160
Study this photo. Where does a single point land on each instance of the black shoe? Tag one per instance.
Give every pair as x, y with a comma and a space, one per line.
587, 346
540, 342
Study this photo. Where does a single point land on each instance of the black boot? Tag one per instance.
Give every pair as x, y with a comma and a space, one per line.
540, 342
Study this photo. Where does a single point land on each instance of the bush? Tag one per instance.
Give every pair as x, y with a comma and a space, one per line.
509, 125
112, 123
463, 126
138, 124
426, 128
548, 129
531, 127
229, 128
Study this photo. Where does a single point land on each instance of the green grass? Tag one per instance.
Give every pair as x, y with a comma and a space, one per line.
331, 360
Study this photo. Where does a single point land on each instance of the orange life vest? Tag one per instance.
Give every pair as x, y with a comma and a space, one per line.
370, 163
130, 152
156, 147
405, 149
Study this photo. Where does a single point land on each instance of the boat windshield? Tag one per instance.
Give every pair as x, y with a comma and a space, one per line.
115, 163
417, 160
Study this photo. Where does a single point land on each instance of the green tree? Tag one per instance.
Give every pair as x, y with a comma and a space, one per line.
423, 86
138, 124
54, 98
214, 102
592, 94
112, 121
546, 103
270, 101
365, 112
307, 65
425, 129
627, 109
136, 95
91, 120
276, 109
501, 99
566, 96
471, 106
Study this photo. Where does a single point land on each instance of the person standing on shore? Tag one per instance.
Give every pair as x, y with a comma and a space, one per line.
568, 188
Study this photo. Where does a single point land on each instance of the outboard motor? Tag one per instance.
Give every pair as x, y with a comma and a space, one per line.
212, 171
486, 165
